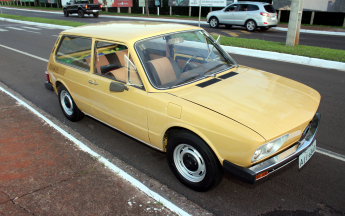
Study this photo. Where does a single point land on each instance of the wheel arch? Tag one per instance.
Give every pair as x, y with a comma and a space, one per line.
174, 129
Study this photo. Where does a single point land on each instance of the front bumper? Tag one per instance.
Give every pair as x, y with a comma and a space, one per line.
254, 173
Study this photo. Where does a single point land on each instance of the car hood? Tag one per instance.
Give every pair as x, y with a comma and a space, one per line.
269, 104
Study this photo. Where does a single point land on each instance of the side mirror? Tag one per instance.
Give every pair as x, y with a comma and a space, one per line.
117, 87
68, 3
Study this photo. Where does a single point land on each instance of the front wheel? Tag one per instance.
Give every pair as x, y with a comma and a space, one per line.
251, 25
193, 162
65, 13
95, 15
80, 13
69, 108
214, 23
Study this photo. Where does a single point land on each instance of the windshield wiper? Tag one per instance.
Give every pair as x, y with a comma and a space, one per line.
215, 67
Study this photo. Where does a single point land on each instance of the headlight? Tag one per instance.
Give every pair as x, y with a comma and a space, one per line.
269, 148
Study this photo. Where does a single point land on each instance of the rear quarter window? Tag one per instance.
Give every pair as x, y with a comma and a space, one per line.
269, 9
75, 51
252, 8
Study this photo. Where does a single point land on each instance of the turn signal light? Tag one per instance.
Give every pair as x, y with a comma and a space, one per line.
261, 175
85, 6
101, 6
264, 14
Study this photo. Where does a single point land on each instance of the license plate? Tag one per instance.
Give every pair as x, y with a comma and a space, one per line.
306, 155
273, 18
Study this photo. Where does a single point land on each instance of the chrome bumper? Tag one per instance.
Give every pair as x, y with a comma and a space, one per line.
252, 174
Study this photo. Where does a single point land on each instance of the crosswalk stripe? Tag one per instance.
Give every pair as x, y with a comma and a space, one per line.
16, 28
30, 28
3, 30
233, 34
245, 32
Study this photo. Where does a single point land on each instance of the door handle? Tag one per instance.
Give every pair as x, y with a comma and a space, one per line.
91, 82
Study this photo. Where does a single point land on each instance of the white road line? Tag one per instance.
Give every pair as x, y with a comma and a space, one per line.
30, 28
25, 53
318, 150
107, 163
23, 30
3, 30
330, 154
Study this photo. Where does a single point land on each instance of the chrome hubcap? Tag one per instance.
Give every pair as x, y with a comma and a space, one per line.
66, 102
250, 25
213, 22
189, 163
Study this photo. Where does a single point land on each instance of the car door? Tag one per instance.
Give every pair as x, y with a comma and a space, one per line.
71, 66
125, 110
227, 15
240, 14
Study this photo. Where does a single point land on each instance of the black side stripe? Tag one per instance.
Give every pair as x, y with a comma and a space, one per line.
225, 76
207, 83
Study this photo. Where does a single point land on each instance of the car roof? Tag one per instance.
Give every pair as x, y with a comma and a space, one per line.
250, 2
126, 31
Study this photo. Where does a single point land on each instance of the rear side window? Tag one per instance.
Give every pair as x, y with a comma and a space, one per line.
242, 7
269, 9
75, 51
252, 8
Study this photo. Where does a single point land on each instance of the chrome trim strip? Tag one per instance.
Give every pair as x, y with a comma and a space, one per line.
270, 164
124, 132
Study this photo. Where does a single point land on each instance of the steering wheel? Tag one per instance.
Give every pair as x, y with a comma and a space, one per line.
185, 65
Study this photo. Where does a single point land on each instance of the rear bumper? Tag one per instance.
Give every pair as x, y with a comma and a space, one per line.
48, 85
249, 175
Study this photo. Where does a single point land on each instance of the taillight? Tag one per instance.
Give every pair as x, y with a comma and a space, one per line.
264, 14
47, 76
86, 6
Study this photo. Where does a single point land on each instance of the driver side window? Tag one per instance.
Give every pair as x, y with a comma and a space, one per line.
111, 61
231, 8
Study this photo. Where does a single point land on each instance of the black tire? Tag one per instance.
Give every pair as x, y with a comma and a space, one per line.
214, 22
68, 107
80, 13
65, 13
251, 25
264, 28
228, 26
95, 15
188, 153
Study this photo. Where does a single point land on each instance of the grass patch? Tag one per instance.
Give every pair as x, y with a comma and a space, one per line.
112, 13
43, 20
301, 50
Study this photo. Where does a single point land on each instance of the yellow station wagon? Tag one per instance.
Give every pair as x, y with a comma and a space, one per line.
175, 89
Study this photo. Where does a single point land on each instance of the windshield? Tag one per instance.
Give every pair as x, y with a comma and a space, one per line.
180, 58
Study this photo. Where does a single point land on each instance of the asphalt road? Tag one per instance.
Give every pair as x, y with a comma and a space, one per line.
328, 41
318, 188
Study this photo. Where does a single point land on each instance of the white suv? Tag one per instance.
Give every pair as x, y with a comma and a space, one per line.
248, 14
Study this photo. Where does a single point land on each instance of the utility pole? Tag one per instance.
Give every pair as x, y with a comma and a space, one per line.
147, 8
294, 26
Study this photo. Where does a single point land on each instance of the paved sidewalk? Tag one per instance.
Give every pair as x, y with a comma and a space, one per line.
43, 173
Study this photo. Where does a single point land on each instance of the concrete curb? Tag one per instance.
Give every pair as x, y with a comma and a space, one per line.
187, 22
315, 62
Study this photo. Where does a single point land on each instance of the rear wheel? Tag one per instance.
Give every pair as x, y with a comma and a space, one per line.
65, 13
251, 25
95, 15
80, 13
214, 23
69, 108
192, 161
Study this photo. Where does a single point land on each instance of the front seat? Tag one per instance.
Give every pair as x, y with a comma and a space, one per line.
163, 70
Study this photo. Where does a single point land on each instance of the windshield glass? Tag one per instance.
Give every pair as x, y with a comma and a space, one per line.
180, 58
